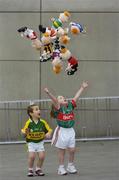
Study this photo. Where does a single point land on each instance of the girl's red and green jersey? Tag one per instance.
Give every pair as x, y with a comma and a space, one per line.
65, 115
36, 131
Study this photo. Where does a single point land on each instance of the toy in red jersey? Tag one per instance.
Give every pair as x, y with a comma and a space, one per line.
72, 61
51, 31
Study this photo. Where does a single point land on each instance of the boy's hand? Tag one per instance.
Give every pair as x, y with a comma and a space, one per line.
48, 135
27, 131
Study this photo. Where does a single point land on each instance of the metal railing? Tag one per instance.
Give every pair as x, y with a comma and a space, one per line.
96, 118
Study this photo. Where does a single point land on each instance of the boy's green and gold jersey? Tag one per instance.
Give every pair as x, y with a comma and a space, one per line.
37, 130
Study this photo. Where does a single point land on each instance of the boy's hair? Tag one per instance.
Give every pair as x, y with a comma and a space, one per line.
30, 109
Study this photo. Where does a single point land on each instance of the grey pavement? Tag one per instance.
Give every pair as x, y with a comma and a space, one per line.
94, 161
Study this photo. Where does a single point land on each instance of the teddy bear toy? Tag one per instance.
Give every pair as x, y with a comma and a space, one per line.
26, 32
30, 34
57, 65
58, 22
77, 28
47, 47
45, 56
56, 61
47, 42
72, 61
51, 31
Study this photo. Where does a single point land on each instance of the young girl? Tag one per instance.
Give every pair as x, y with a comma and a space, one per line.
64, 135
35, 131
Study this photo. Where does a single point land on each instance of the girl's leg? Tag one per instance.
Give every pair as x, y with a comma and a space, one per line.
71, 168
71, 152
61, 155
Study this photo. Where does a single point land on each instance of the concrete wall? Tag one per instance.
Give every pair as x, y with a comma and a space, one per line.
22, 76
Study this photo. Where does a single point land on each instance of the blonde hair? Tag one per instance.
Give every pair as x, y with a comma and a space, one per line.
52, 111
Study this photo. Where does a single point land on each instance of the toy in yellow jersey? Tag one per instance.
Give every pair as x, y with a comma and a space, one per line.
36, 131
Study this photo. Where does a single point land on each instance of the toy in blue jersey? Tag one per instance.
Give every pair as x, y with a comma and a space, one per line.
78, 25
65, 115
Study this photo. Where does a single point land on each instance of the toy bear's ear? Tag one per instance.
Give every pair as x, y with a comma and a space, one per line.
66, 13
42, 29
22, 29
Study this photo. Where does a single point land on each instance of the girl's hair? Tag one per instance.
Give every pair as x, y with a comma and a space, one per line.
52, 111
30, 109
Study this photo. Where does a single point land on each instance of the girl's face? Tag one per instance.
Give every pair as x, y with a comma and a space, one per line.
62, 100
36, 112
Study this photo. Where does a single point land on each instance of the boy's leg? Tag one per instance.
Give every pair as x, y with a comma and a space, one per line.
31, 158
41, 158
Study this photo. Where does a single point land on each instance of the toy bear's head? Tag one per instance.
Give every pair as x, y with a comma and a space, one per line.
62, 31
57, 65
77, 28
46, 39
64, 16
65, 53
64, 39
51, 31
74, 28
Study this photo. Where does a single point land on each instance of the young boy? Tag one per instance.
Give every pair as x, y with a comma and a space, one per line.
64, 135
35, 131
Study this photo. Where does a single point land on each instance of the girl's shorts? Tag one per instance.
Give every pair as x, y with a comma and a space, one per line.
36, 147
65, 138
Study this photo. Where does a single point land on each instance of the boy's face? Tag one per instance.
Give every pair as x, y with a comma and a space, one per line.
36, 112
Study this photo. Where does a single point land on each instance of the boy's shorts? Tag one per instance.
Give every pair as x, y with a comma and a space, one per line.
66, 138
36, 147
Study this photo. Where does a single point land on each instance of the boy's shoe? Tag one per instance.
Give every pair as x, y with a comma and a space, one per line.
71, 169
39, 172
62, 171
30, 173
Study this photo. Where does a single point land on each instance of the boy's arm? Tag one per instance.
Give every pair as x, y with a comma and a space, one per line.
52, 97
79, 92
25, 129
48, 128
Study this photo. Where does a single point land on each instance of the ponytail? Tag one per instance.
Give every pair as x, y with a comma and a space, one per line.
52, 111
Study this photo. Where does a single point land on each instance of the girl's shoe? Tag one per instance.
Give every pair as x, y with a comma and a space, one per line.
71, 169
62, 171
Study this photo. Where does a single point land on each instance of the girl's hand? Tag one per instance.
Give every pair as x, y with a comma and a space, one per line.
46, 90
84, 84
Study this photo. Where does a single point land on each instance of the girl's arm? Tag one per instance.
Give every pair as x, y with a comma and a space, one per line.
79, 92
52, 97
